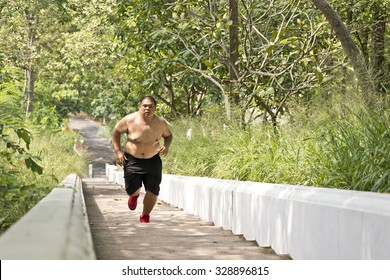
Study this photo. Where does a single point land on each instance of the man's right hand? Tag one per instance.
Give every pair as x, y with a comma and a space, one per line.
120, 158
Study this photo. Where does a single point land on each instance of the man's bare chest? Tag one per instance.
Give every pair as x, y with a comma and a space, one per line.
143, 133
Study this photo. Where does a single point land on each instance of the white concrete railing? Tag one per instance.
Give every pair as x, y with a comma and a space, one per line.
307, 223
56, 228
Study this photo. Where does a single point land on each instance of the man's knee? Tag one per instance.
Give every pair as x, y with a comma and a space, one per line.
153, 189
151, 193
133, 191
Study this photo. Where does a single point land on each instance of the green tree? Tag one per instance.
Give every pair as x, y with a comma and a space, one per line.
350, 48
24, 23
64, 49
367, 21
179, 48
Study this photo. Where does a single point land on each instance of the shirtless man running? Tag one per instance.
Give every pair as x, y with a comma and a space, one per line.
141, 157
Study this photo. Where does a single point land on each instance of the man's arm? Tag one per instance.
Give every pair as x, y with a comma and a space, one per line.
168, 137
118, 130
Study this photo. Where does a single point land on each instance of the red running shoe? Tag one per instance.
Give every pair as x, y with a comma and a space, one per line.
145, 219
132, 202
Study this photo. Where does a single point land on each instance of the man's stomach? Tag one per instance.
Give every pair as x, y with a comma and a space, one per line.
140, 150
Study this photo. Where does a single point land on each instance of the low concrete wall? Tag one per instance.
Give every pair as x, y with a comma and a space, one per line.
307, 223
56, 228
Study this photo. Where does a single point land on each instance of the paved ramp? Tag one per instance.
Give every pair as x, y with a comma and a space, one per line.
171, 235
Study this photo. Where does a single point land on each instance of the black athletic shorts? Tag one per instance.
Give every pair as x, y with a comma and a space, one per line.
146, 171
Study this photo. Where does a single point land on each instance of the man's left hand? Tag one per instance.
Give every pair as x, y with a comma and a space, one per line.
163, 150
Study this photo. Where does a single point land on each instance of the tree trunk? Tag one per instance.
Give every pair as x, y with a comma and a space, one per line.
233, 50
350, 11
32, 22
30, 90
228, 110
378, 44
350, 48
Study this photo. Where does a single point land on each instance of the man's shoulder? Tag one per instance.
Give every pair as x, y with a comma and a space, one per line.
162, 119
131, 116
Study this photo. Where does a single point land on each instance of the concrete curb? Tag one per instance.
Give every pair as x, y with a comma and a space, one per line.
56, 228
307, 223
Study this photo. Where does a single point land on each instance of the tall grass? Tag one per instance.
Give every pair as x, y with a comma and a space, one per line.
26, 188
325, 145
360, 149
197, 145
231, 152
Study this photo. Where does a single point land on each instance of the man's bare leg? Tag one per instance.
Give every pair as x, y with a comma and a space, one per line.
150, 200
136, 193
132, 202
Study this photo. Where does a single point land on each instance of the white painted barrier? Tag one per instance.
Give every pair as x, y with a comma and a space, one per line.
114, 174
307, 223
56, 228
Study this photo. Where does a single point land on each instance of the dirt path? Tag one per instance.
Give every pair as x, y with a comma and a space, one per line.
98, 147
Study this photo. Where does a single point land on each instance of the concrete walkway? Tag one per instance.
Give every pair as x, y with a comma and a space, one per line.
97, 146
172, 234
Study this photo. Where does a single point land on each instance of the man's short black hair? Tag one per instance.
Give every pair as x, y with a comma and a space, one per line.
150, 98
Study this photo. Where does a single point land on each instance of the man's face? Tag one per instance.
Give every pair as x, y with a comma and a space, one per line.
147, 107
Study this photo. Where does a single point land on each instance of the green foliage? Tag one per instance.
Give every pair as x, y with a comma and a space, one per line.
45, 116
21, 189
31, 160
160, 41
367, 21
14, 135
359, 148
179, 50
70, 55
325, 146
99, 57
197, 145
15, 142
